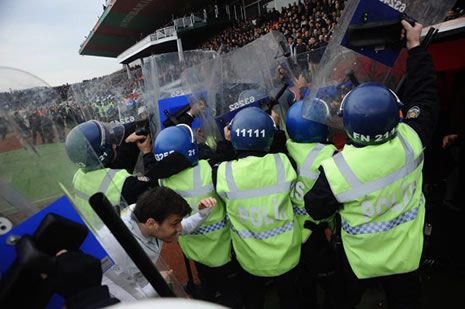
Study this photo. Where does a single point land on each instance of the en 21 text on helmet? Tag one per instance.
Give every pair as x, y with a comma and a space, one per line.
252, 129
370, 113
302, 130
90, 144
178, 138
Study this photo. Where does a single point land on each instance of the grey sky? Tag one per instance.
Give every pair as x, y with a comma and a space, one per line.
43, 37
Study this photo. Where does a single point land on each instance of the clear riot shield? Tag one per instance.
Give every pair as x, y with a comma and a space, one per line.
233, 81
304, 65
114, 98
248, 76
167, 99
35, 172
244, 80
365, 47
278, 70
117, 99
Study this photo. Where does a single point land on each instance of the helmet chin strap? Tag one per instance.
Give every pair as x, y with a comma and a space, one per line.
399, 102
340, 112
189, 129
102, 141
323, 102
274, 124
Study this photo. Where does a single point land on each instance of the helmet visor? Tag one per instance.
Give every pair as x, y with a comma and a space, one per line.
112, 133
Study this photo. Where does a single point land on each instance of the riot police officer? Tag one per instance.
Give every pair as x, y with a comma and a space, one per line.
255, 189
210, 245
375, 184
94, 147
308, 147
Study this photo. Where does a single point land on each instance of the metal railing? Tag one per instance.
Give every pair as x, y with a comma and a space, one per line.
164, 33
186, 22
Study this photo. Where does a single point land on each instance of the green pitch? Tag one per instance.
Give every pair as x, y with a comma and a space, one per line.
36, 174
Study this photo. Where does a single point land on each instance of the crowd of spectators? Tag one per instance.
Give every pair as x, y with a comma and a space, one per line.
310, 23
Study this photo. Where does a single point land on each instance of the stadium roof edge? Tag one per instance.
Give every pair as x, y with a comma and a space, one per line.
125, 22
91, 33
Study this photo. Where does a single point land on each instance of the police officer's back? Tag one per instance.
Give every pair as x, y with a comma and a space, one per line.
255, 188
375, 183
210, 245
308, 147
94, 147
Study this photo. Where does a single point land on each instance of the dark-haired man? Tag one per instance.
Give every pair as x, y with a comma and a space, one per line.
291, 43
157, 217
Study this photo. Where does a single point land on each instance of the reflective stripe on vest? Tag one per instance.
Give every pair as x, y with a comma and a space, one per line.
265, 238
359, 189
198, 189
210, 228
280, 186
244, 234
103, 187
300, 211
305, 171
81, 195
210, 244
383, 209
235, 194
107, 179
377, 227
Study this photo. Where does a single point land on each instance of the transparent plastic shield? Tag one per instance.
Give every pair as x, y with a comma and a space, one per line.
32, 129
304, 65
298, 72
242, 82
193, 107
36, 170
114, 98
247, 76
124, 279
231, 82
165, 95
272, 55
345, 63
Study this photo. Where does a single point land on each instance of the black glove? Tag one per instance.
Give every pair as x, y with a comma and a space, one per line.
75, 272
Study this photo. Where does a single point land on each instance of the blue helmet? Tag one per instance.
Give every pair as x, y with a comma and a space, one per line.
252, 129
178, 138
370, 113
90, 144
302, 130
